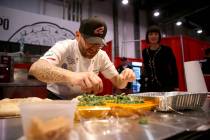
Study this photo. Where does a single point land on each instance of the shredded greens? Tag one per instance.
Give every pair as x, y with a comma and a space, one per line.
93, 100
143, 120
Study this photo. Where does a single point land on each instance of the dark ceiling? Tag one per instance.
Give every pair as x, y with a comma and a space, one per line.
194, 13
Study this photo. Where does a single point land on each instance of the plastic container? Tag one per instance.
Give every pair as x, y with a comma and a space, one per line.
47, 120
89, 112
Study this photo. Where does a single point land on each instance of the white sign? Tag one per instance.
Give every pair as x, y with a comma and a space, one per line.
30, 28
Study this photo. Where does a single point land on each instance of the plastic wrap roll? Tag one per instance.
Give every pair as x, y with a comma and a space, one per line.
194, 77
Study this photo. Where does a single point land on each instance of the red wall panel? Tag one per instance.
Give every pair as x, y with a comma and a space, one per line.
194, 48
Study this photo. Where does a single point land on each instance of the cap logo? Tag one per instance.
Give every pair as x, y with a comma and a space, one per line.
99, 31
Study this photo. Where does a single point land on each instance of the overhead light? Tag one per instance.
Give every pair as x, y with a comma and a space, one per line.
156, 13
125, 2
199, 31
178, 23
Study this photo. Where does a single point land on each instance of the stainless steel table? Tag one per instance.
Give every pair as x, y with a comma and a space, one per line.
10, 129
161, 125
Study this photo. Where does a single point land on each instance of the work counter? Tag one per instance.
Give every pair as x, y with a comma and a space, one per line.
23, 88
23, 83
161, 125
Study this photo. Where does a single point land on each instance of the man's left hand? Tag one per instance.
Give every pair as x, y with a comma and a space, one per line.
128, 75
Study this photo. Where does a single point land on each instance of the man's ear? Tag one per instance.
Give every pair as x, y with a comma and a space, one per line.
77, 34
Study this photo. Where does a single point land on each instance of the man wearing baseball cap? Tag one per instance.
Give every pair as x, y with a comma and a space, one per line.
71, 67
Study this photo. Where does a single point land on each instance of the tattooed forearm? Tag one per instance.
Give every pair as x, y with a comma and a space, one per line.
48, 73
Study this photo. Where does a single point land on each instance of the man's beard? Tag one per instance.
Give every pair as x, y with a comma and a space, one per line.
86, 54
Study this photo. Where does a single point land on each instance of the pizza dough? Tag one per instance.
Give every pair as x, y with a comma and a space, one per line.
10, 107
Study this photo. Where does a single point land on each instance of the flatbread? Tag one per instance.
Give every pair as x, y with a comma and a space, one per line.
10, 107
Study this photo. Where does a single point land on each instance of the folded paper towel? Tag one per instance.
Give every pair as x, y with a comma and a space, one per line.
194, 77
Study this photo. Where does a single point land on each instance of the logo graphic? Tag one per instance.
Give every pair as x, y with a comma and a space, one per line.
50, 58
41, 33
99, 31
70, 60
96, 71
49, 53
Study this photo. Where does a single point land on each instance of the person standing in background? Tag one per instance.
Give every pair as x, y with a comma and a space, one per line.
159, 64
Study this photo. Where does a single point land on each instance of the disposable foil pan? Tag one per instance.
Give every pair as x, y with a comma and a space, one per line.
167, 101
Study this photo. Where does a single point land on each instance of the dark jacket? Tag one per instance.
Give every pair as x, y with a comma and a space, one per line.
206, 66
159, 70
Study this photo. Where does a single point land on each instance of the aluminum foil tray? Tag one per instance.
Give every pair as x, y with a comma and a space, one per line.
167, 101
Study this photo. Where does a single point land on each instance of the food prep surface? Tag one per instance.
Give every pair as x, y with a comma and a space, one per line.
119, 117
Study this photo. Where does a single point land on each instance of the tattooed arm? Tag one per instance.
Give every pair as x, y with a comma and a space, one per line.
46, 72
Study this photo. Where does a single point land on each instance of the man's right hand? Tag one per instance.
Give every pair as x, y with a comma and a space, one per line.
88, 81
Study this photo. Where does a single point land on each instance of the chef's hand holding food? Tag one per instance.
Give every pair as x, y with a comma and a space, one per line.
88, 81
92, 83
121, 80
128, 75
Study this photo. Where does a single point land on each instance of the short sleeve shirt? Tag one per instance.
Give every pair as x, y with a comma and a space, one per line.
66, 54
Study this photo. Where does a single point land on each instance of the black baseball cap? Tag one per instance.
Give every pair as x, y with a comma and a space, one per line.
93, 30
